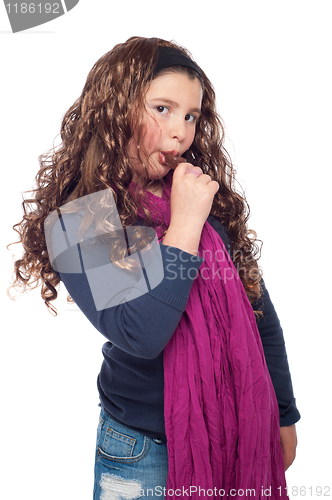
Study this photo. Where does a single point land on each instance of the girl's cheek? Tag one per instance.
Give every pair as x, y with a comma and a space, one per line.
155, 132
190, 139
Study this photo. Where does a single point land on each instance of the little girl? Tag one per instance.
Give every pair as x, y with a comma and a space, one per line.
195, 391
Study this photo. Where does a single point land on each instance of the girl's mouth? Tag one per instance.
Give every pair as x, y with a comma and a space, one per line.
162, 158
169, 158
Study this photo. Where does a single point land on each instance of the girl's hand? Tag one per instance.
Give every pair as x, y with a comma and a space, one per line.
192, 196
191, 201
288, 440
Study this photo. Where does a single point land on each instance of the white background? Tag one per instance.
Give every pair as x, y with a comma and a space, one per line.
270, 63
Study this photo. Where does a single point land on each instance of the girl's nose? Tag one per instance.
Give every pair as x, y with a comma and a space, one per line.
178, 129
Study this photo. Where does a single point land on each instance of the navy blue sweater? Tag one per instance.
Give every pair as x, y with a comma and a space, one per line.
131, 380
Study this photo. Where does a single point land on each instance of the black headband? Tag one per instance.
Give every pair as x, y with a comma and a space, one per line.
170, 56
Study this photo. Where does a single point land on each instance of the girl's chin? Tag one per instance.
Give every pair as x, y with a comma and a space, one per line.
155, 176
156, 170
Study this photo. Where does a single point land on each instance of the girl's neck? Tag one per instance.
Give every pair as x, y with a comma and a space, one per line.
156, 189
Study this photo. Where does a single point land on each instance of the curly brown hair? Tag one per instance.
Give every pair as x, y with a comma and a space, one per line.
93, 156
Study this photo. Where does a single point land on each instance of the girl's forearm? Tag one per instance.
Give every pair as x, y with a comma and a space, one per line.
183, 237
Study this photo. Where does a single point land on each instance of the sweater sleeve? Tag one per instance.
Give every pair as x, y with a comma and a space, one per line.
276, 358
137, 310
273, 345
143, 326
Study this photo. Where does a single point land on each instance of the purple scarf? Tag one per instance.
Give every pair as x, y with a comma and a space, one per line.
221, 412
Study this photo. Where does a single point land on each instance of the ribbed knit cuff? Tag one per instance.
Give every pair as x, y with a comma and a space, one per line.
290, 416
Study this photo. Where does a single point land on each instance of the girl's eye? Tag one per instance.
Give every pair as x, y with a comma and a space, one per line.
191, 118
162, 109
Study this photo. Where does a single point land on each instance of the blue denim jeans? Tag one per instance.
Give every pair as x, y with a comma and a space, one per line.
128, 463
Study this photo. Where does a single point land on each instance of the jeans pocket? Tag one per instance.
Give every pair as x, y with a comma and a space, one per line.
117, 444
120, 443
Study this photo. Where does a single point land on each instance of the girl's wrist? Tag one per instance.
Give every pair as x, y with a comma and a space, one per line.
184, 238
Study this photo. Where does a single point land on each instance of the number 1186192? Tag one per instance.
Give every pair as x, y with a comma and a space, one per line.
302, 491
32, 8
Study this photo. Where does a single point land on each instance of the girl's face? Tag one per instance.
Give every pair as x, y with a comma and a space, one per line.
173, 106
